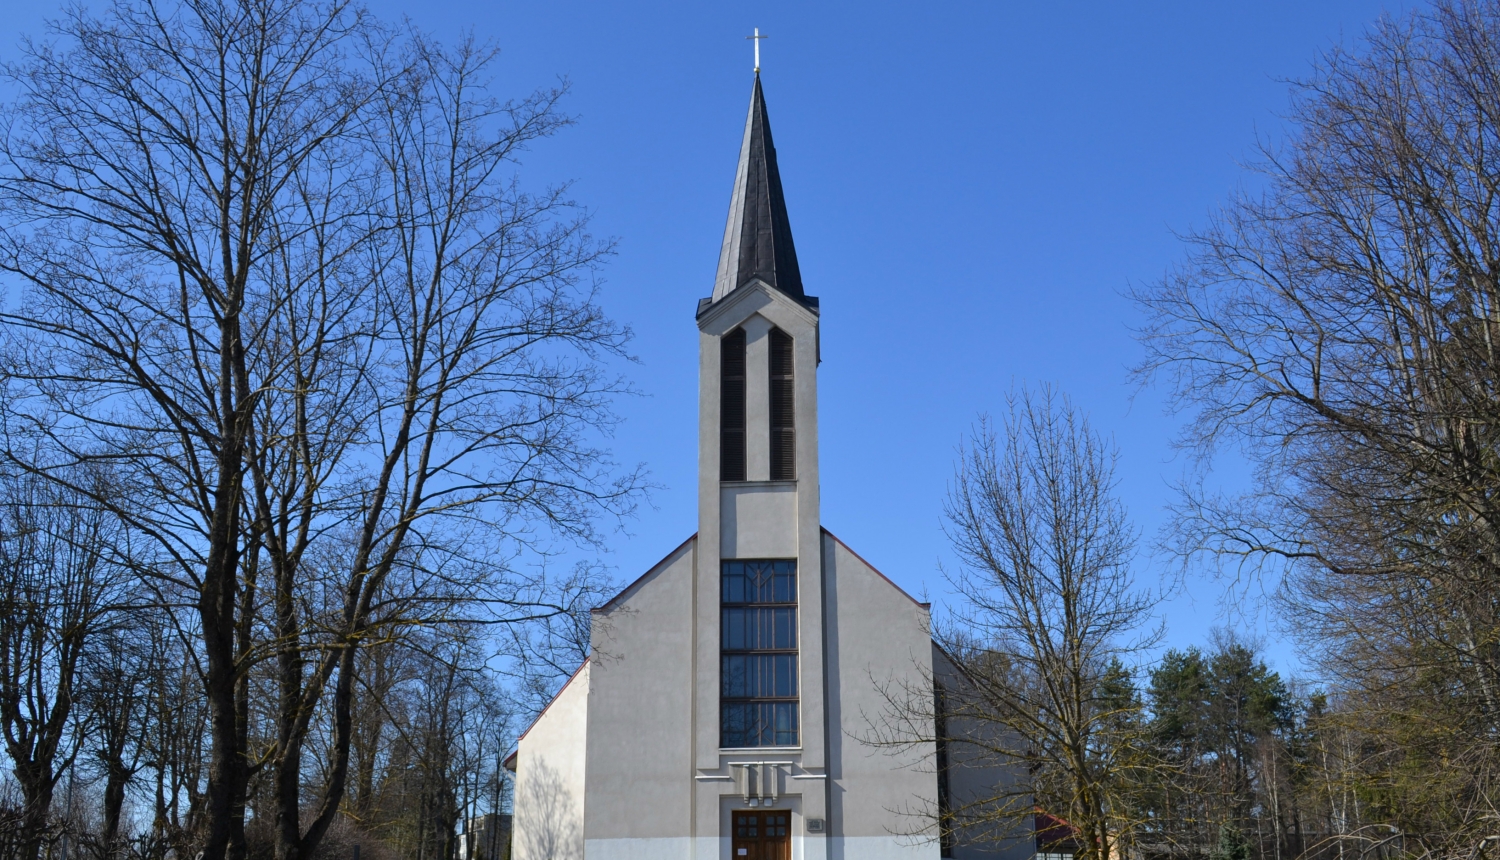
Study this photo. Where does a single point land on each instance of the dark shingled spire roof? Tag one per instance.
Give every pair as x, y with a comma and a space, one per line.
758, 237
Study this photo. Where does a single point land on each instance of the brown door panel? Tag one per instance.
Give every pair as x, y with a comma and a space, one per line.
762, 834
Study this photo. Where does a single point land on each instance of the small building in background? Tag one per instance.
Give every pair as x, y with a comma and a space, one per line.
485, 837
1056, 838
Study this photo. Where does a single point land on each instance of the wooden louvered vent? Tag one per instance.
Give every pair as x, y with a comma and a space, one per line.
783, 428
732, 406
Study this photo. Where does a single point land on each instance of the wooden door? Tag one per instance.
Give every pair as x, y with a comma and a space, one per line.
764, 834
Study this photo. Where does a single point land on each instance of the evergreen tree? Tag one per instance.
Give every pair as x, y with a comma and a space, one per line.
1232, 844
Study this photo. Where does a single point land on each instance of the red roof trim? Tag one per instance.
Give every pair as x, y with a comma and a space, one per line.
609, 604
538, 719
877, 570
1053, 832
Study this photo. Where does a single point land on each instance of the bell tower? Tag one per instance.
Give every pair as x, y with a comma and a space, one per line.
759, 695
721, 709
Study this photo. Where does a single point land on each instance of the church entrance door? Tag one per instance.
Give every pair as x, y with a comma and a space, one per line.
762, 834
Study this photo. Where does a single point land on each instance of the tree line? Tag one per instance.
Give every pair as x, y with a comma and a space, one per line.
1247, 764
302, 387
117, 763
1337, 325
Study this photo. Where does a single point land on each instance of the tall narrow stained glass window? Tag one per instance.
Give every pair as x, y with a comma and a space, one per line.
758, 654
732, 406
783, 425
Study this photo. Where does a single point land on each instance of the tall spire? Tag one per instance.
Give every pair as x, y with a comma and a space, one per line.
758, 237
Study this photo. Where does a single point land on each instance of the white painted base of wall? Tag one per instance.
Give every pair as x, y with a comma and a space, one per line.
665, 848
880, 848
718, 848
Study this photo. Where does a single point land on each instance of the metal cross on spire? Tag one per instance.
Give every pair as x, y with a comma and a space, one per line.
756, 39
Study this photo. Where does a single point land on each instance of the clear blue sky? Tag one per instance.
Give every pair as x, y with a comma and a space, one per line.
972, 186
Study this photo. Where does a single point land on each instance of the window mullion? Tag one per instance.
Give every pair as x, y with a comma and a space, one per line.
759, 695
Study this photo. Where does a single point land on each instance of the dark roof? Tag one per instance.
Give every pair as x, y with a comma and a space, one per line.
1054, 834
758, 236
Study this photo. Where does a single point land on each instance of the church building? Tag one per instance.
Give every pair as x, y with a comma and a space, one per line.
723, 712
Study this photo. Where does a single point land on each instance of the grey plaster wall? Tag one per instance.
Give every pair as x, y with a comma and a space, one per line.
977, 778
640, 734
877, 636
759, 521
757, 397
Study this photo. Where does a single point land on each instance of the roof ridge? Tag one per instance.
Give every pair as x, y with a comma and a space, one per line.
866, 562
639, 579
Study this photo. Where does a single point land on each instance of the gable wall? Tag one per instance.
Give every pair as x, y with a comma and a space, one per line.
640, 736
876, 635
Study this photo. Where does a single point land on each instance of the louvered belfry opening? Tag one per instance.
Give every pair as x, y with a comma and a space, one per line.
783, 427
732, 406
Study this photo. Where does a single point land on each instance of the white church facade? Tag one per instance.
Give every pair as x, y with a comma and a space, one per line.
722, 712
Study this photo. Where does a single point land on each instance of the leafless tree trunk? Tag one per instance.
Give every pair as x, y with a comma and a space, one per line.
370, 724
145, 165
174, 740
458, 401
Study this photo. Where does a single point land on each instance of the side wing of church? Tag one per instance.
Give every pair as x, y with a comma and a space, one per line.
724, 710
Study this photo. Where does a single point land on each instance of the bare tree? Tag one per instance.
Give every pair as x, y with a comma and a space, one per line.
1046, 611
57, 578
174, 739
1341, 328
278, 273
118, 670
144, 167
444, 383
539, 657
